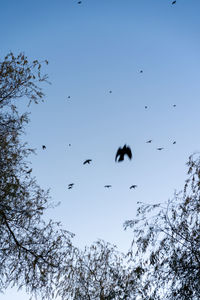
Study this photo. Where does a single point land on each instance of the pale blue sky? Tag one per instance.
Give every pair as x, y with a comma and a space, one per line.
92, 48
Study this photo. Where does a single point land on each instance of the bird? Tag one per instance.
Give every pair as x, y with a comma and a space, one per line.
122, 151
174, 105
70, 186
174, 142
149, 141
133, 186
69, 145
160, 148
44, 147
87, 161
110, 92
107, 186
29, 171
173, 2
79, 2
145, 106
141, 71
68, 97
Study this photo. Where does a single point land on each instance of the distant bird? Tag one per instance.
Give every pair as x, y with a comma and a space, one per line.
107, 186
174, 142
68, 97
29, 171
146, 107
87, 161
122, 151
133, 186
70, 186
69, 145
44, 147
174, 105
79, 2
160, 148
110, 92
141, 71
173, 2
149, 141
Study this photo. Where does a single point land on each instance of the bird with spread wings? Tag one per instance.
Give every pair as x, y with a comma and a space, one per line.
121, 152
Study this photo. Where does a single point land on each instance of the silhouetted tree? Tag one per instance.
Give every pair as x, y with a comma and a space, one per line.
99, 272
167, 242
32, 252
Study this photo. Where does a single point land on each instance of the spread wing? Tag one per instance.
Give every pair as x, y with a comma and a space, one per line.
128, 152
119, 152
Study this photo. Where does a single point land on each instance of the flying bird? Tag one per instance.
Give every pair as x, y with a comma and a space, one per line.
145, 107
87, 161
29, 171
69, 145
133, 186
160, 148
68, 97
79, 2
121, 153
44, 147
173, 2
110, 92
141, 71
174, 142
107, 186
149, 141
70, 186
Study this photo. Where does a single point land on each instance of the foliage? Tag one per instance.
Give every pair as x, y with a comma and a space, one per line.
19, 78
99, 272
168, 242
32, 252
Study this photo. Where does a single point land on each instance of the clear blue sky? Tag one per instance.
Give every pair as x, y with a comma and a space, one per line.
92, 48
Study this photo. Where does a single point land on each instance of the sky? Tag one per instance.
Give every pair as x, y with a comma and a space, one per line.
93, 48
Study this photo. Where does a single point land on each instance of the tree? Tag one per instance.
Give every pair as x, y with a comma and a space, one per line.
99, 272
32, 252
168, 242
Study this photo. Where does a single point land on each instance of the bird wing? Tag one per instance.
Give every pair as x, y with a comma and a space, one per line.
119, 152
128, 152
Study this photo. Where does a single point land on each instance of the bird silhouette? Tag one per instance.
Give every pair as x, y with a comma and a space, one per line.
149, 141
29, 171
174, 142
68, 97
79, 2
44, 147
121, 153
146, 107
107, 186
174, 105
87, 161
110, 92
141, 71
69, 145
160, 148
133, 186
173, 2
70, 186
